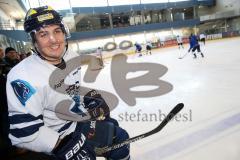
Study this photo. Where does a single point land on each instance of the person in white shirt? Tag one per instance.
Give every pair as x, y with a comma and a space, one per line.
100, 57
42, 83
202, 38
148, 48
180, 42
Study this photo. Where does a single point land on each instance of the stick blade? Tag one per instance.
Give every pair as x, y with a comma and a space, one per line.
177, 108
173, 112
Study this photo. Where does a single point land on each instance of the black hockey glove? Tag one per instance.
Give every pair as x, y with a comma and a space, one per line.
75, 146
97, 133
96, 105
103, 135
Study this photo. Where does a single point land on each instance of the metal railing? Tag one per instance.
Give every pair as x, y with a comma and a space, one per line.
6, 26
219, 15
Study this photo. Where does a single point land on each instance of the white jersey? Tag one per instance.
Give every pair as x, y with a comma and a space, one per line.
99, 52
31, 102
202, 36
149, 44
179, 39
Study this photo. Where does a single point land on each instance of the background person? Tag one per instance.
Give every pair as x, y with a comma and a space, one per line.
148, 48
202, 38
100, 57
10, 60
138, 49
194, 45
180, 42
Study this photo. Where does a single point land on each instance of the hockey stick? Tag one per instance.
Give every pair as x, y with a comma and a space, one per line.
174, 111
183, 56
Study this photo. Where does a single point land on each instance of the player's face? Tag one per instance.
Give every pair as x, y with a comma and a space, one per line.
50, 42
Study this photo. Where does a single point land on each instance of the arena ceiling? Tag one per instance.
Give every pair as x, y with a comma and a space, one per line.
12, 8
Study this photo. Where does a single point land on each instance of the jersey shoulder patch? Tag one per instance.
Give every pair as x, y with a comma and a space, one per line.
23, 90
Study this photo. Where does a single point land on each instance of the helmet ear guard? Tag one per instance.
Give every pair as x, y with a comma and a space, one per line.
65, 30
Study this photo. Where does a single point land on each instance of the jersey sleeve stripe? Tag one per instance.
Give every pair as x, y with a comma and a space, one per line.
23, 118
65, 127
26, 131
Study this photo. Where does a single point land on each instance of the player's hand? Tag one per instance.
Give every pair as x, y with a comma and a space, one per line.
96, 105
74, 146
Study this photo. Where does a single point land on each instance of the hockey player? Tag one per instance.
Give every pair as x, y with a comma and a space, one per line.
194, 45
202, 38
148, 48
180, 42
138, 49
100, 57
32, 99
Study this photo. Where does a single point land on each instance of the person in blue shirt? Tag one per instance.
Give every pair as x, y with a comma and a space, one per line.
194, 45
138, 49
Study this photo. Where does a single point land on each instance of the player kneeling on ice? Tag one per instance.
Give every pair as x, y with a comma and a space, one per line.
33, 97
194, 45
